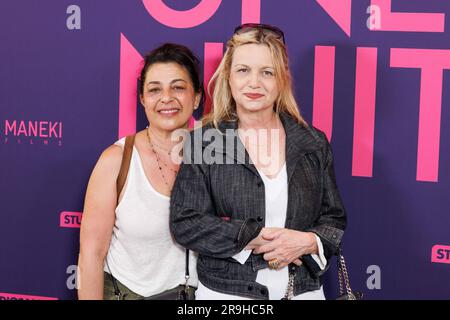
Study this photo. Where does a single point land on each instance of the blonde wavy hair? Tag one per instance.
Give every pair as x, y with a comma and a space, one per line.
224, 106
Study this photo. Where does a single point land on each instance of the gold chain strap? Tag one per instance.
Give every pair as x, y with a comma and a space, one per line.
344, 280
290, 288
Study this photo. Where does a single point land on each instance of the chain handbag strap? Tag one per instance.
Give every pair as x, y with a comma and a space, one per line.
344, 281
290, 287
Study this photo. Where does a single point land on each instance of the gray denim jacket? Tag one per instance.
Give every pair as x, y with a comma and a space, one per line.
217, 209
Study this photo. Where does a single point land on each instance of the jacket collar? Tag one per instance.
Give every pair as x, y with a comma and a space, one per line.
299, 141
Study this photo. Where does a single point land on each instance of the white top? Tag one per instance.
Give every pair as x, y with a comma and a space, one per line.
143, 255
276, 196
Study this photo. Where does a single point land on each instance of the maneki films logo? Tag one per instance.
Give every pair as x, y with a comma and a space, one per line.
32, 132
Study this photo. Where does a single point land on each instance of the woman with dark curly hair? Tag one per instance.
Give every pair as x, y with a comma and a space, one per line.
126, 249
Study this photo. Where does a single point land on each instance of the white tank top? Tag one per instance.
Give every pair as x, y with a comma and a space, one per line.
143, 255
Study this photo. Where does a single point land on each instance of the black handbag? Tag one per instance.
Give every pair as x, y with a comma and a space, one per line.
345, 291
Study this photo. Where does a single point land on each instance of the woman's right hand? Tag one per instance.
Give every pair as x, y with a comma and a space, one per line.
265, 237
260, 240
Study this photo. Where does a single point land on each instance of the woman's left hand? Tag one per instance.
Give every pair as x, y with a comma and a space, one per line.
287, 246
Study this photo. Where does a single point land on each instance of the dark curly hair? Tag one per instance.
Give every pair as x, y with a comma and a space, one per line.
177, 53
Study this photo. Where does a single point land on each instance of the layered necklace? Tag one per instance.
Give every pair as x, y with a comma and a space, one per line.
161, 162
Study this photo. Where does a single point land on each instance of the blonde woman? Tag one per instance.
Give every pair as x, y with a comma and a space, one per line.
264, 213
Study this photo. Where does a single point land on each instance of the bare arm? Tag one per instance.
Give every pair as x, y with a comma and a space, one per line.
97, 223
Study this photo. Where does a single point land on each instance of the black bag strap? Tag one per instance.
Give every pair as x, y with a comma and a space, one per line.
117, 292
186, 273
344, 280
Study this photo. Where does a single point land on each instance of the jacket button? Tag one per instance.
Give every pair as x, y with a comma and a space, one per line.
259, 219
259, 184
263, 292
250, 288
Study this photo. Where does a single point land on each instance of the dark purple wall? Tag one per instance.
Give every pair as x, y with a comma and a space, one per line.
66, 85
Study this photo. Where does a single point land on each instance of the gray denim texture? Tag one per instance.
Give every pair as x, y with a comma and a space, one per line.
217, 209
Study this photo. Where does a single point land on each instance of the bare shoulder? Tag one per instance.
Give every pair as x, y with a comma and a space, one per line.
112, 154
109, 162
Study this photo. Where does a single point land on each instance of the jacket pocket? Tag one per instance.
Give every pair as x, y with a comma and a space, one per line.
214, 265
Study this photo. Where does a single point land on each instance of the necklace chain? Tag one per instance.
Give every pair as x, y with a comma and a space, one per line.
161, 162
169, 152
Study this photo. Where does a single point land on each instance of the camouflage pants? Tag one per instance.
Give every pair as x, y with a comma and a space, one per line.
108, 290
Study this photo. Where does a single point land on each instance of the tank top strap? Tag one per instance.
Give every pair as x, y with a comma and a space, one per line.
120, 142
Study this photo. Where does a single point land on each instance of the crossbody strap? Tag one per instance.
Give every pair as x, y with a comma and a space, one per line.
125, 165
186, 273
120, 183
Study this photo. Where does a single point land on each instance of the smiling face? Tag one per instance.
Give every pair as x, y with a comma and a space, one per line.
168, 96
252, 79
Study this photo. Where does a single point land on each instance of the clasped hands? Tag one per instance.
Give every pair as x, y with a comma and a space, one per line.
281, 246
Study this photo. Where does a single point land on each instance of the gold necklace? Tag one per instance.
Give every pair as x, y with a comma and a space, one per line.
169, 152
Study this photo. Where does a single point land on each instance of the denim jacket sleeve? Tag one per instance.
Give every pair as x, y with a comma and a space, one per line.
193, 220
332, 220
